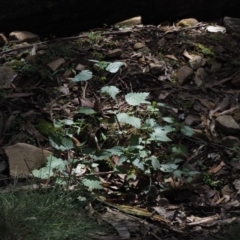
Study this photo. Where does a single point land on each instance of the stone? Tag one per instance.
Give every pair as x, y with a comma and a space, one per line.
3, 40
195, 62
200, 77
157, 69
192, 120
227, 125
24, 36
231, 141
215, 67
184, 74
188, 22
232, 24
114, 53
138, 45
236, 80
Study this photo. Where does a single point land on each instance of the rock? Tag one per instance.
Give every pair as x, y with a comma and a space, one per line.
24, 36
3, 40
232, 24
215, 67
236, 80
157, 69
7, 75
188, 22
170, 36
231, 141
200, 77
195, 62
3, 166
114, 53
184, 74
227, 125
23, 158
161, 42
192, 120
138, 45
130, 22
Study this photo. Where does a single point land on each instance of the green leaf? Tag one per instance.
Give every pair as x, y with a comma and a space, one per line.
178, 173
56, 163
187, 131
112, 91
92, 182
84, 75
122, 159
125, 118
168, 167
180, 150
86, 110
68, 122
114, 67
43, 173
60, 143
135, 99
169, 119
117, 150
155, 162
138, 163
160, 133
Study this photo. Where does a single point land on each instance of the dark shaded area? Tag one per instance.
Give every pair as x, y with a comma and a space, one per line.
62, 18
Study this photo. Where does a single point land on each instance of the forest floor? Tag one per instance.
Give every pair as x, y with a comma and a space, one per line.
145, 119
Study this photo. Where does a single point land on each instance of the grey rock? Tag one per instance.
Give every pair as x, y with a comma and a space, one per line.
200, 77
195, 62
236, 80
227, 125
184, 74
3, 166
232, 24
138, 45
157, 69
215, 67
114, 53
231, 141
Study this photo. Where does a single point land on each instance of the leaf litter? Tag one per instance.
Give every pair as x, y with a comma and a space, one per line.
63, 80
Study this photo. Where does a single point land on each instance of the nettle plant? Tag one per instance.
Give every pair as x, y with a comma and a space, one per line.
136, 142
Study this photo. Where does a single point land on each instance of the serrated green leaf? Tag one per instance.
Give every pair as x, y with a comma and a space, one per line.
56, 163
169, 119
114, 67
60, 143
160, 133
84, 75
112, 91
86, 110
155, 162
135, 99
187, 131
138, 163
43, 173
92, 182
168, 167
125, 118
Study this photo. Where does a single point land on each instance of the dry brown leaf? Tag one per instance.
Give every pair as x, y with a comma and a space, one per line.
56, 64
216, 168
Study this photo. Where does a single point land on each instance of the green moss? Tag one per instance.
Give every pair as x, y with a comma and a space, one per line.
45, 127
